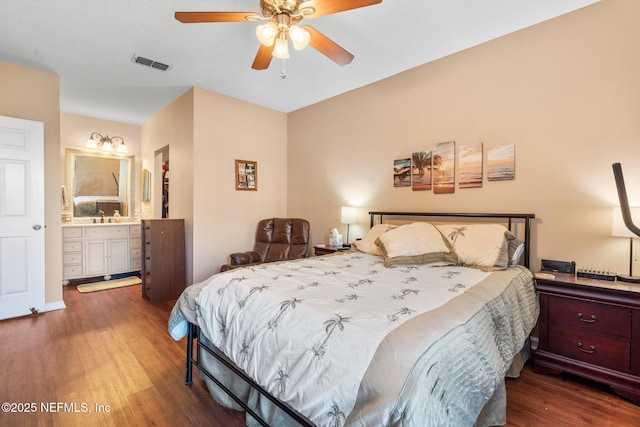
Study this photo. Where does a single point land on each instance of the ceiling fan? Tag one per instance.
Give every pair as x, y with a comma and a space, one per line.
281, 18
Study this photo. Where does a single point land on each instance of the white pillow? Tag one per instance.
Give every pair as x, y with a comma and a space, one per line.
416, 243
368, 242
484, 246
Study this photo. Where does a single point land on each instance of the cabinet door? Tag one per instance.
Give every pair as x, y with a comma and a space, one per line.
118, 260
95, 261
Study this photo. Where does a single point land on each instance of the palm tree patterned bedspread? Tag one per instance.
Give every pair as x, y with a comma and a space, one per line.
307, 330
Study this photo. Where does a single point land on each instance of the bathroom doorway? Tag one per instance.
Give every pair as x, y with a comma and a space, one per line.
161, 184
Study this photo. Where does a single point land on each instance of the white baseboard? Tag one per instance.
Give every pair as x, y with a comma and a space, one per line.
56, 305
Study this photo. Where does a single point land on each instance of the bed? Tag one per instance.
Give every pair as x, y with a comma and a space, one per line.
417, 325
92, 205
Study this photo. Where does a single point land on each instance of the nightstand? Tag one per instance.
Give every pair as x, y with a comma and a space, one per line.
326, 249
590, 328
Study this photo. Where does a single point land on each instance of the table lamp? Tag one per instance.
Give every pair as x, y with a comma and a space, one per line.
619, 229
348, 217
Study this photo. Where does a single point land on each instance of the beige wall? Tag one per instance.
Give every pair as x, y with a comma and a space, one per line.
206, 132
173, 127
565, 92
225, 220
20, 88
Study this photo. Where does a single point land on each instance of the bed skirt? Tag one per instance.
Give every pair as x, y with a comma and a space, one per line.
493, 413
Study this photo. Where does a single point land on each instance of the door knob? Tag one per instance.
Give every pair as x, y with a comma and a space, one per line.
37, 227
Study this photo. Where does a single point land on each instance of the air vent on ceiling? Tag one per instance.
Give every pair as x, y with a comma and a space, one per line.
149, 63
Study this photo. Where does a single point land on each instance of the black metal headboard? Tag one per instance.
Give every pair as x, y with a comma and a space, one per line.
526, 218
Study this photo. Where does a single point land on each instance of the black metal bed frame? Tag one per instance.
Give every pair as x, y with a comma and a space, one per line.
526, 218
194, 331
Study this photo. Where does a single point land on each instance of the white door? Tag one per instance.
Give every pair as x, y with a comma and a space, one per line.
21, 217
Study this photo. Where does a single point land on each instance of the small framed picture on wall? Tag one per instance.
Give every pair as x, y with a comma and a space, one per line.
246, 175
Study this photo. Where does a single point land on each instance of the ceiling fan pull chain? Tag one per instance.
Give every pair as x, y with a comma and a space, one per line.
283, 70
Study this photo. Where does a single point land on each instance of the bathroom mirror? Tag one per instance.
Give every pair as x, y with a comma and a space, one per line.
146, 185
98, 182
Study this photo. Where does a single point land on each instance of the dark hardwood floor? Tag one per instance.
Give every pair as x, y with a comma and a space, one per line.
109, 359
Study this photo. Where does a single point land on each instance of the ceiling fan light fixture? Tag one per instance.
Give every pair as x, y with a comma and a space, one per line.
279, 20
299, 37
281, 49
266, 33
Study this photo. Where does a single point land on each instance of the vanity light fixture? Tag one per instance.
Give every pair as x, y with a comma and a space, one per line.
107, 143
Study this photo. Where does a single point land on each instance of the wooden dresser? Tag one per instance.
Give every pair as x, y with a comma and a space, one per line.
590, 328
164, 259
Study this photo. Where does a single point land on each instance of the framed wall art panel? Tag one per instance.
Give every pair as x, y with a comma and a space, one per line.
246, 175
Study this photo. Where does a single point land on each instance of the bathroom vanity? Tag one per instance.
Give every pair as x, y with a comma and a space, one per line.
93, 250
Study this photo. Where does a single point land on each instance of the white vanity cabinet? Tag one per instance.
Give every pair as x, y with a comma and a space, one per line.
93, 250
72, 250
135, 247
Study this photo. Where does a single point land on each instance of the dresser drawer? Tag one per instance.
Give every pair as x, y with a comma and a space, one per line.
136, 253
73, 258
135, 230
74, 246
595, 349
107, 231
72, 270
135, 243
71, 232
136, 264
574, 313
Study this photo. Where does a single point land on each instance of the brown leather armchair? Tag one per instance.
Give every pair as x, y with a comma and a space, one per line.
277, 239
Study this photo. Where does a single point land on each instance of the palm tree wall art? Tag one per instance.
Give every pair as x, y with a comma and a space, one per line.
421, 171
444, 168
436, 169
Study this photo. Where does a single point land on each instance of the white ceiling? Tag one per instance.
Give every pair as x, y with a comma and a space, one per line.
90, 43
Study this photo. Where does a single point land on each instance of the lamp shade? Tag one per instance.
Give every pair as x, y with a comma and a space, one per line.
299, 37
122, 148
267, 33
618, 227
281, 49
348, 215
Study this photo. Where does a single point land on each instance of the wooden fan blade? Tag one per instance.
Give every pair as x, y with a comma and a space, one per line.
327, 7
328, 47
196, 17
263, 57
